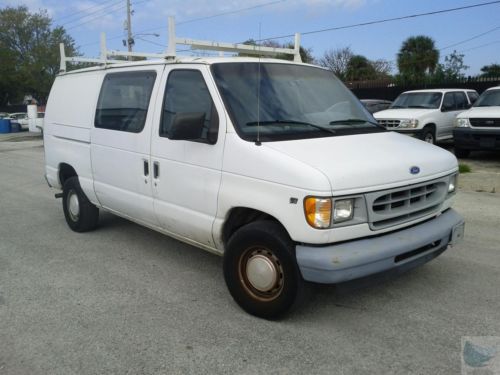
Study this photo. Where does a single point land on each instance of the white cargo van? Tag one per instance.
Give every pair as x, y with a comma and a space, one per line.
274, 165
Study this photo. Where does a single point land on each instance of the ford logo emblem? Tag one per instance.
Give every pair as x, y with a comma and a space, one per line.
415, 170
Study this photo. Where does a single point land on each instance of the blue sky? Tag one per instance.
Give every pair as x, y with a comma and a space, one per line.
85, 19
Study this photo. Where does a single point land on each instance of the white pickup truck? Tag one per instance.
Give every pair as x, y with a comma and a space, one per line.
427, 114
274, 165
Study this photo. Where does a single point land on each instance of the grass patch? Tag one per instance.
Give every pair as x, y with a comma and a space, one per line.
463, 168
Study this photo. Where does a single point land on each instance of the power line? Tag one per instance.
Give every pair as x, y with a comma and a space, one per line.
385, 20
197, 19
100, 15
481, 46
219, 14
94, 18
82, 11
91, 13
150, 42
472, 38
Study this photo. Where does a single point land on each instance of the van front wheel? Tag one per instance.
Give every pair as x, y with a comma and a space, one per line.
81, 215
261, 271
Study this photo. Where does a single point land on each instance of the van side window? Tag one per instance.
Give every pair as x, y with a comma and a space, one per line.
124, 101
187, 92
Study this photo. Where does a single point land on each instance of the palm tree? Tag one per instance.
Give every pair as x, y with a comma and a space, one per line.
417, 58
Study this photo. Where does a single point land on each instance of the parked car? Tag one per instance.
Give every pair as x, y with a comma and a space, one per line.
426, 114
3, 115
479, 127
40, 119
376, 105
287, 187
20, 118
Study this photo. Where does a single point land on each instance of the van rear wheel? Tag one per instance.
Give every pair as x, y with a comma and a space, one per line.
261, 270
81, 215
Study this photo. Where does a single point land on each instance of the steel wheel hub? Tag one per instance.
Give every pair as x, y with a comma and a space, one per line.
261, 273
73, 206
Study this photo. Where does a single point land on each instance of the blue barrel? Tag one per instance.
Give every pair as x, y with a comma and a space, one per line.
4, 126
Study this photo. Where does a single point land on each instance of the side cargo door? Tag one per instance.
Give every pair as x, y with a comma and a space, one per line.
187, 173
121, 142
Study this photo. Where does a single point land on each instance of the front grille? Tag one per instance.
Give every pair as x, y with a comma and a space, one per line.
396, 206
485, 122
389, 123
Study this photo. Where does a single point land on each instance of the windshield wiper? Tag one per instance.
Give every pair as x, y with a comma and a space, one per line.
396, 106
292, 122
352, 121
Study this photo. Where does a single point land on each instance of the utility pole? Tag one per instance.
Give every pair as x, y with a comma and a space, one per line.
130, 40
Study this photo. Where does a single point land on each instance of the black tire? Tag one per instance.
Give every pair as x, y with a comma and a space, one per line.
87, 217
429, 136
461, 153
269, 242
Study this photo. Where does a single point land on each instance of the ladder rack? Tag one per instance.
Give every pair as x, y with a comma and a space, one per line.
170, 53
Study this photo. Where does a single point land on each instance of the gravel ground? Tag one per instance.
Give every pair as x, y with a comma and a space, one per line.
127, 300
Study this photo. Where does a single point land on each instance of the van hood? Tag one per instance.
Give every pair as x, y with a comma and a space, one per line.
481, 112
367, 162
403, 113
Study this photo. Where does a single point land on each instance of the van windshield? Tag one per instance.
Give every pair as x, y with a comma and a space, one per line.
490, 98
291, 102
428, 100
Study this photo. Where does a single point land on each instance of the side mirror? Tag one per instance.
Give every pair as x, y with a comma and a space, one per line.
187, 126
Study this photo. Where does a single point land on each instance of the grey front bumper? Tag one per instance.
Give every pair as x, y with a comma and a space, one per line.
355, 259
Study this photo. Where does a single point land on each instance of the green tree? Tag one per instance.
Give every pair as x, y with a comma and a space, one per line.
417, 59
29, 49
491, 71
360, 68
452, 69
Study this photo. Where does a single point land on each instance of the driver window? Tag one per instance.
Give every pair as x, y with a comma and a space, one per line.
186, 92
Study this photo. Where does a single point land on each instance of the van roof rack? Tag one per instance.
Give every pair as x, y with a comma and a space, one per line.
170, 53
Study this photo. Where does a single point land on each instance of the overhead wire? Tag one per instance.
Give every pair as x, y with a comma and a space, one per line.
471, 38
82, 11
197, 19
97, 11
384, 20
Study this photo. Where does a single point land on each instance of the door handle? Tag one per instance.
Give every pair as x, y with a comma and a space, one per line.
156, 169
146, 168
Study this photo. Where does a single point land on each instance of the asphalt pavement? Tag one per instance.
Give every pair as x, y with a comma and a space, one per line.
127, 300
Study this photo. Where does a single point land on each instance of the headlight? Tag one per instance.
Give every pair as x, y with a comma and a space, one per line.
452, 186
321, 213
318, 212
343, 210
462, 123
412, 123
